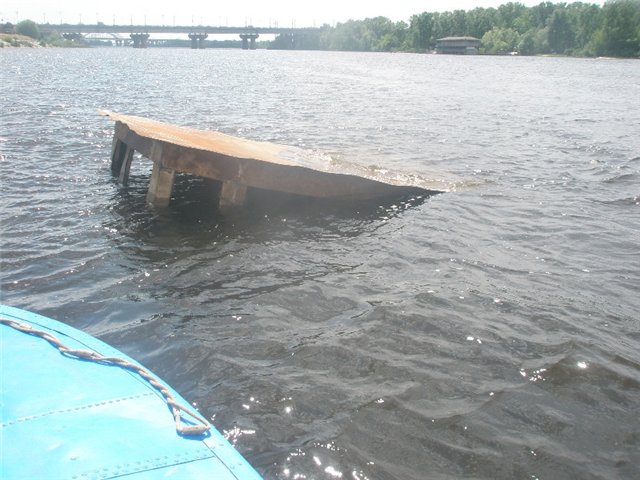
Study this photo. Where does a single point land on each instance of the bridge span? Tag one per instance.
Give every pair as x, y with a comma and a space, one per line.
139, 34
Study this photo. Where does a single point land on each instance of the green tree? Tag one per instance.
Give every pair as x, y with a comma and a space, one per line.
28, 28
509, 13
620, 34
368, 35
374, 29
480, 21
589, 19
459, 23
387, 43
386, 36
540, 14
348, 36
400, 31
541, 39
444, 25
500, 40
560, 33
420, 35
585, 19
527, 44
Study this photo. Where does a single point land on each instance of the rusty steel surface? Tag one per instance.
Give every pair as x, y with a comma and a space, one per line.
209, 140
193, 142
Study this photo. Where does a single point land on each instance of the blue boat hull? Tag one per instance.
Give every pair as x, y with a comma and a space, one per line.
68, 418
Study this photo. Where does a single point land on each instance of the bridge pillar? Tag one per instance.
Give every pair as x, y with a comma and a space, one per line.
232, 194
249, 40
140, 40
160, 185
197, 40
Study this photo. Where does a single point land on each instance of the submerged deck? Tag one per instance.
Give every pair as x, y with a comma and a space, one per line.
241, 164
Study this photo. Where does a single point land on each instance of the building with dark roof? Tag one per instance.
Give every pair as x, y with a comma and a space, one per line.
458, 45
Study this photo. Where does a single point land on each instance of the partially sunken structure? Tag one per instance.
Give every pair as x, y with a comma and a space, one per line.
240, 164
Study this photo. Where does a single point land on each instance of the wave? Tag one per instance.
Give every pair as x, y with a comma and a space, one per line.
623, 178
625, 201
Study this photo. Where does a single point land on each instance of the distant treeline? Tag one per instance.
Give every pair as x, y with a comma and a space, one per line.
578, 28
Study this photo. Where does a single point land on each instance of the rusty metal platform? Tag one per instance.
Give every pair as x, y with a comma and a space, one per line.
241, 163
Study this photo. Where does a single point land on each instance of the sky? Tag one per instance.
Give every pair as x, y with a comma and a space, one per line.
259, 13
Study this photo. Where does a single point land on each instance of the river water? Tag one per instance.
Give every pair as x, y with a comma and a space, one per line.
487, 333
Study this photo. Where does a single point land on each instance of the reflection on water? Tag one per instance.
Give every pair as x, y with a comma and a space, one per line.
193, 217
486, 333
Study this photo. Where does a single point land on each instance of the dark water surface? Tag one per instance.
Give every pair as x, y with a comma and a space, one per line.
490, 333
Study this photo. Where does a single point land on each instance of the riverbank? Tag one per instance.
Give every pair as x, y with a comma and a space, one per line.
15, 40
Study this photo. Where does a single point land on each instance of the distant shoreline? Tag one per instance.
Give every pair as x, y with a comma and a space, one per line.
13, 40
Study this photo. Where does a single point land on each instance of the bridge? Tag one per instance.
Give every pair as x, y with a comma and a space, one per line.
139, 34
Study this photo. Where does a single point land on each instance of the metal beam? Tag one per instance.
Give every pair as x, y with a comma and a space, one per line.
211, 30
